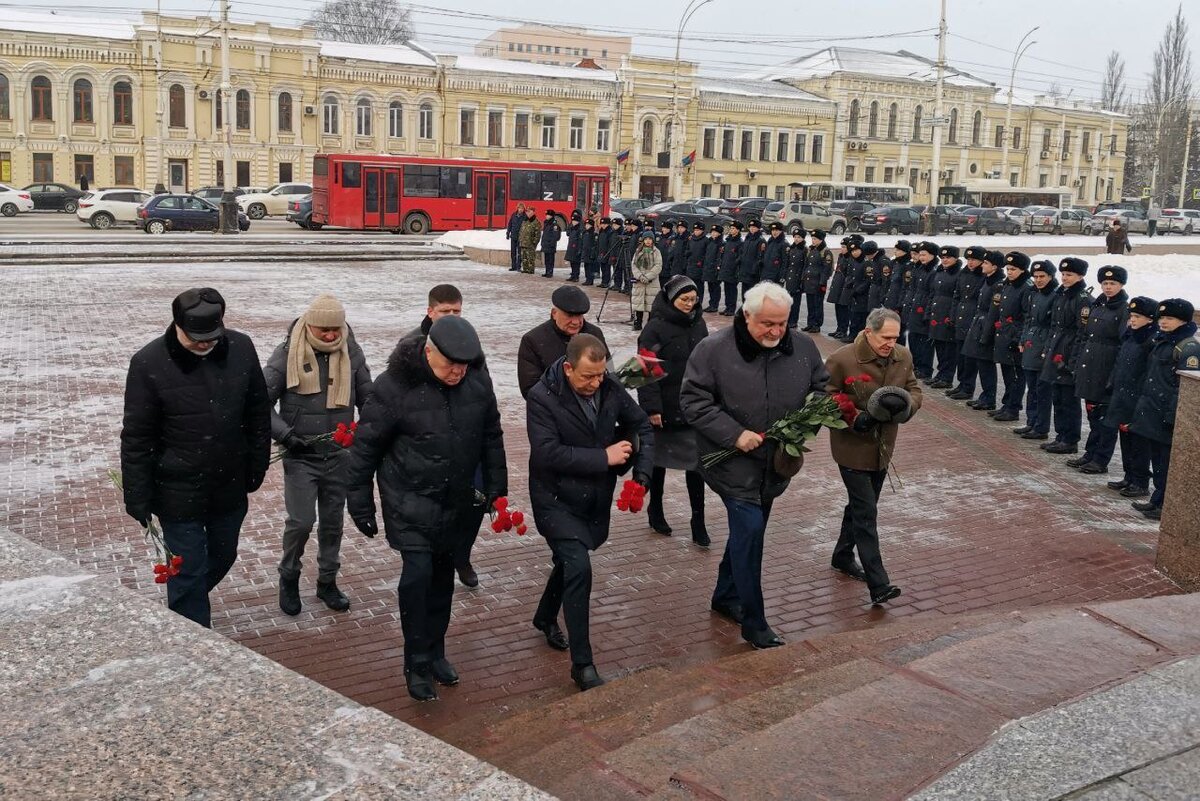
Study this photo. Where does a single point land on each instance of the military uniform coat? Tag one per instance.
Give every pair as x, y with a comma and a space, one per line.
1099, 343
697, 248
663, 243
818, 268
1009, 321
574, 253
857, 287
1066, 321
731, 258
712, 259
917, 317
893, 297
1036, 334
941, 310
837, 282
966, 300
982, 334
1129, 374
876, 274
1154, 415
795, 259
772, 259
679, 250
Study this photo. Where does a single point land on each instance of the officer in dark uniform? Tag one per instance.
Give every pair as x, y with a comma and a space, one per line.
919, 343
899, 281
1099, 344
731, 262
966, 300
1066, 321
795, 260
940, 314
1035, 336
663, 243
837, 294
712, 267
546, 342
622, 271
575, 244
697, 248
753, 247
772, 260
1009, 322
818, 270
551, 233
981, 335
1129, 374
878, 272
589, 252
679, 248
605, 242
855, 289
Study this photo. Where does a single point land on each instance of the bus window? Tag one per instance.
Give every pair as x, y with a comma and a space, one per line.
391, 191
351, 174
421, 181
526, 185
455, 181
320, 167
371, 201
556, 185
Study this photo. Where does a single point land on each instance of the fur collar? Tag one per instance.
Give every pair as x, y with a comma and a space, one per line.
187, 360
751, 350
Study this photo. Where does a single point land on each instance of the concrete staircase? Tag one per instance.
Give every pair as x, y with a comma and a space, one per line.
871, 714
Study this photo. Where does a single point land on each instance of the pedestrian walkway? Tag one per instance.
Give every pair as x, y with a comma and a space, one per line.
975, 520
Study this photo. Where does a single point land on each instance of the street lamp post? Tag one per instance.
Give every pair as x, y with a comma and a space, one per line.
677, 131
1022, 46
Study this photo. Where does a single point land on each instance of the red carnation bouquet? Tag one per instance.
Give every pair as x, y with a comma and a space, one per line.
796, 427
342, 435
632, 497
640, 370
505, 516
166, 563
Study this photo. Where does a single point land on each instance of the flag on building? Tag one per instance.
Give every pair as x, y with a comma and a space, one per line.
622, 156
689, 158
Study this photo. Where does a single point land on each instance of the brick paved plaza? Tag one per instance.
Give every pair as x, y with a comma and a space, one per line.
979, 519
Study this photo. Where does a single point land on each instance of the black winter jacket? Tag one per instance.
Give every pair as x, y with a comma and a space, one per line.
1036, 334
893, 298
423, 441
1129, 373
514, 225
196, 434
1066, 321
818, 269
857, 287
672, 335
837, 294
942, 304
1154, 416
966, 300
587, 246
606, 242
570, 483
1009, 320
795, 259
574, 237
679, 254
542, 346
731, 258
551, 233
663, 243
750, 269
876, 275
1099, 343
712, 259
981, 336
772, 259
697, 248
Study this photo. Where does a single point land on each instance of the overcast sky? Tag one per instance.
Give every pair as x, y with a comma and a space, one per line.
1076, 35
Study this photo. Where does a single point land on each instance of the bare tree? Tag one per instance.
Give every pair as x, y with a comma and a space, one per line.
1113, 95
1162, 120
364, 21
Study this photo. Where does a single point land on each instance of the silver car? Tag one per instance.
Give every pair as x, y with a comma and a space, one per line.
796, 214
1133, 221
1058, 221
1179, 221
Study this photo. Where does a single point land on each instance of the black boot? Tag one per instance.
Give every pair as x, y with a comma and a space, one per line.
420, 683
334, 598
654, 510
695, 489
637, 320
289, 595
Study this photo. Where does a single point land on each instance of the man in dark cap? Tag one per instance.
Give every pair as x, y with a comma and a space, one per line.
915, 315
195, 441
1008, 323
772, 260
966, 300
898, 281
1066, 321
697, 250
940, 313
606, 241
711, 273
795, 260
731, 261
430, 422
663, 242
752, 255
574, 253
679, 248
979, 344
1035, 336
589, 245
856, 288
1129, 373
545, 343
1099, 343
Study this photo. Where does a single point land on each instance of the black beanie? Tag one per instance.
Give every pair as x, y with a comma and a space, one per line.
1113, 273
1073, 264
1178, 308
1147, 307
1045, 266
676, 285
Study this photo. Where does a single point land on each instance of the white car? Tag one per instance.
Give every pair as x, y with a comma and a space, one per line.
107, 207
13, 201
273, 201
1179, 221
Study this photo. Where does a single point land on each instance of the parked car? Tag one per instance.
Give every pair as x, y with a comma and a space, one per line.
628, 207
852, 210
1133, 204
1132, 220
690, 213
14, 201
300, 212
796, 214
744, 209
105, 208
892, 219
273, 201
1057, 221
984, 222
940, 216
163, 213
54, 197
713, 203
213, 193
1179, 221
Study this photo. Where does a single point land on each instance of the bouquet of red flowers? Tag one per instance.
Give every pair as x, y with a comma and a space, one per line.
640, 370
506, 517
797, 427
166, 563
342, 435
632, 496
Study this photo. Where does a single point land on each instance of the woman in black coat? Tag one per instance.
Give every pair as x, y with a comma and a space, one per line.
676, 326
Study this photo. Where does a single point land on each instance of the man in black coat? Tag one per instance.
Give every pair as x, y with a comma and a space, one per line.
731, 262
966, 299
430, 422
795, 261
916, 312
196, 440
574, 253
712, 267
546, 343
857, 288
772, 257
697, 249
513, 234
1128, 375
979, 344
940, 314
1035, 335
584, 430
1009, 324
607, 241
1099, 344
818, 270
590, 254
1058, 370
551, 233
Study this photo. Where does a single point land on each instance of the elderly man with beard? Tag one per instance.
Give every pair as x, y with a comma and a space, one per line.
546, 343
430, 422
738, 382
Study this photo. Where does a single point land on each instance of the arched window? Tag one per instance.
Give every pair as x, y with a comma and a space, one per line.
425, 121
395, 119
873, 120
284, 109
122, 103
362, 117
953, 125
893, 119
977, 127
241, 103
176, 107
647, 137
5, 109
329, 115
918, 113
667, 136
82, 94
219, 107
852, 130
41, 98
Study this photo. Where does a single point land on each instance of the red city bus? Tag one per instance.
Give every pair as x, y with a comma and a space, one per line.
417, 195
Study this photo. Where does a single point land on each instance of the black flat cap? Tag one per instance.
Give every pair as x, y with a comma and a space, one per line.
571, 299
455, 339
199, 314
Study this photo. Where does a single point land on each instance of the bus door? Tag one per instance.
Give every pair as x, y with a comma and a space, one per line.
597, 194
391, 199
371, 185
491, 199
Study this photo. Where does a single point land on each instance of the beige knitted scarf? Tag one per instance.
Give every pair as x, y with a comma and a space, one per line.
303, 372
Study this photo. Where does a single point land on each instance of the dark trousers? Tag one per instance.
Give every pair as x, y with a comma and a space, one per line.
1135, 459
1101, 440
841, 316
426, 591
621, 277
714, 295
209, 549
794, 313
739, 578
731, 296
816, 308
1040, 403
987, 381
1068, 414
859, 529
574, 270
548, 260
515, 254
314, 493
858, 321
968, 372
947, 362
695, 491
922, 354
570, 589
1151, 227
699, 282
1014, 387
1160, 462
462, 553
605, 273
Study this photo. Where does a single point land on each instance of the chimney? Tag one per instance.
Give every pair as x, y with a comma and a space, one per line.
588, 64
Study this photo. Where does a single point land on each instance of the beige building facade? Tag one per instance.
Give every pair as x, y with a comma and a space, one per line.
557, 46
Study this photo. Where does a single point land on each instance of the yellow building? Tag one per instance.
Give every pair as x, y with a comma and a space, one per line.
557, 45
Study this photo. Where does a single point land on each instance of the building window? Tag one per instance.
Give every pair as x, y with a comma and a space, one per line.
395, 119
549, 126
362, 117
123, 171
242, 172
918, 113
781, 147
761, 191
801, 147
604, 53
869, 175
510, 47
285, 172
521, 130
747, 146
893, 121
764, 146
1014, 178
709, 147
727, 144
576, 142
780, 192
5, 109
1046, 139
818, 148
667, 131
1043, 180
999, 141
743, 190
705, 190
873, 120
1016, 138
953, 125
84, 165
977, 128
1066, 148
647, 137
852, 125
1112, 144
725, 192
889, 174
495, 135
242, 110
849, 172
466, 126
176, 107
283, 110
1062, 179
329, 115
41, 99
913, 177
425, 121
1086, 143
82, 93
43, 167
122, 103
603, 132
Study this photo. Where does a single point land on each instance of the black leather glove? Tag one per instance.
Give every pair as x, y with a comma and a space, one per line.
254, 480
863, 423
367, 525
641, 478
895, 404
297, 445
139, 513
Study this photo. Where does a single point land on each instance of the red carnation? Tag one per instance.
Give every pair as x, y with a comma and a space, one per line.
933, 322
500, 504
864, 377
161, 578
518, 518
947, 321
521, 531
997, 325
1058, 358
1029, 343
1089, 406
1124, 428
176, 561
1008, 319
623, 504
920, 310
159, 569
850, 380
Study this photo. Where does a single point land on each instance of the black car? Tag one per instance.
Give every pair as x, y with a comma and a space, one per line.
689, 213
54, 197
300, 212
164, 213
983, 221
852, 210
940, 217
626, 208
891, 219
744, 209
214, 193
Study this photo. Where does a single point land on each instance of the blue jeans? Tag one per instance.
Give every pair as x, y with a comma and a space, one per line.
209, 549
739, 578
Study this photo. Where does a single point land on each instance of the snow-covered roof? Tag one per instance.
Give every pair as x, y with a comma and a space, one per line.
106, 27
748, 88
901, 65
384, 54
484, 64
1022, 98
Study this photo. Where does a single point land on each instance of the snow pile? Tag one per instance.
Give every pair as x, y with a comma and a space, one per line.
484, 240
1159, 277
